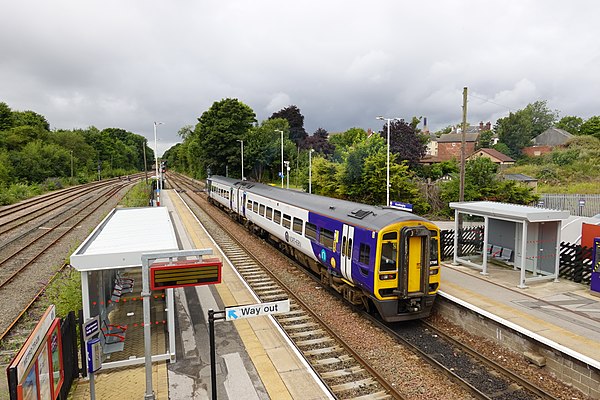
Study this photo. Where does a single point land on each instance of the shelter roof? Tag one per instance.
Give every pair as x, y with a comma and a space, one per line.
510, 211
123, 236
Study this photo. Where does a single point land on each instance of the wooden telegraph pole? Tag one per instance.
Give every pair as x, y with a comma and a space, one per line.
461, 195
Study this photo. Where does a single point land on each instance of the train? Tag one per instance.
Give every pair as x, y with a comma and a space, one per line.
379, 258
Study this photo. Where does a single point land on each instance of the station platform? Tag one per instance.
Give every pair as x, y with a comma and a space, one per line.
254, 358
563, 315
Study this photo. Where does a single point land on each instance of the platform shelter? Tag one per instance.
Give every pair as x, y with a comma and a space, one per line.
527, 238
110, 263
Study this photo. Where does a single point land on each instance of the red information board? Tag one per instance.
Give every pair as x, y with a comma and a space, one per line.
164, 275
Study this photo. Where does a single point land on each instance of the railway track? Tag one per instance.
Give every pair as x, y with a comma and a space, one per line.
342, 370
481, 377
25, 267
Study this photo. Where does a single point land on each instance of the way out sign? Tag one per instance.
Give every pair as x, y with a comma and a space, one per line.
256, 310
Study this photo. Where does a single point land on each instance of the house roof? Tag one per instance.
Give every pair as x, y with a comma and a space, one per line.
494, 153
519, 177
552, 137
510, 211
457, 137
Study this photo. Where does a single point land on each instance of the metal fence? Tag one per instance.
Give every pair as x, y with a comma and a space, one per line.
575, 261
584, 205
68, 330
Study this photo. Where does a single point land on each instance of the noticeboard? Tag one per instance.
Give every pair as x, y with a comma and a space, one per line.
165, 275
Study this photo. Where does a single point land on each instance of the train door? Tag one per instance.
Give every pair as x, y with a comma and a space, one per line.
243, 204
346, 253
414, 261
231, 200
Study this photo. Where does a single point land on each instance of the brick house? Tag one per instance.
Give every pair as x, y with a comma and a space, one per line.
494, 155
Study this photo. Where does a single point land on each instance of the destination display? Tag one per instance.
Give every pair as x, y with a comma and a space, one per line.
174, 274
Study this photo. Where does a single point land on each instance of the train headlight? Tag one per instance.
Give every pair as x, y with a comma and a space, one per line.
387, 277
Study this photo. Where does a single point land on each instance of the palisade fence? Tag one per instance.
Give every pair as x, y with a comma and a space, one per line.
575, 261
584, 205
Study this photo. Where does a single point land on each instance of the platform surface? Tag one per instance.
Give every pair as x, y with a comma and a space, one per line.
563, 312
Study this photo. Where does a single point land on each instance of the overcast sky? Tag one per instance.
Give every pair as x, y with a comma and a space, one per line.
127, 63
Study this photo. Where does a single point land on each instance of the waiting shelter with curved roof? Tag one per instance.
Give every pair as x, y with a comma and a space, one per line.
527, 238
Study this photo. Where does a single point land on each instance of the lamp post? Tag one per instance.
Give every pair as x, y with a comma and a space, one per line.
156, 164
387, 180
287, 169
279, 130
310, 170
242, 143
71, 167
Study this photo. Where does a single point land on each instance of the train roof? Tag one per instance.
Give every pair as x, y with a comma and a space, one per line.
367, 216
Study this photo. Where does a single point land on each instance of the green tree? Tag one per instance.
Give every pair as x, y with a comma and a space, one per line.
342, 141
591, 127
296, 123
6, 117
405, 142
217, 132
30, 118
6, 169
517, 130
262, 149
570, 124
38, 161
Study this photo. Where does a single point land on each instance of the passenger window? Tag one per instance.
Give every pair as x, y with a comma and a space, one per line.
277, 216
287, 221
298, 225
269, 213
249, 205
255, 207
262, 210
326, 238
310, 231
364, 254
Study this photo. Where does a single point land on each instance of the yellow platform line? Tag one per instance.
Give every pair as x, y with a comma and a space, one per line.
273, 383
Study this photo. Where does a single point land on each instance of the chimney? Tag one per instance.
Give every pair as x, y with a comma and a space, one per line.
480, 125
488, 126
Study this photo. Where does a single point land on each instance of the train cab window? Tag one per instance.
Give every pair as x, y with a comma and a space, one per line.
287, 221
255, 207
364, 254
326, 238
433, 252
269, 213
298, 225
388, 256
277, 216
310, 231
390, 236
262, 210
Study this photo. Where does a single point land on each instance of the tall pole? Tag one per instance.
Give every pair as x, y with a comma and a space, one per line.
310, 170
242, 143
287, 168
156, 164
461, 195
387, 180
71, 166
145, 165
278, 130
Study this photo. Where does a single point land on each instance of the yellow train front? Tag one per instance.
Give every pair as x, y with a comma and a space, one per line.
407, 270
